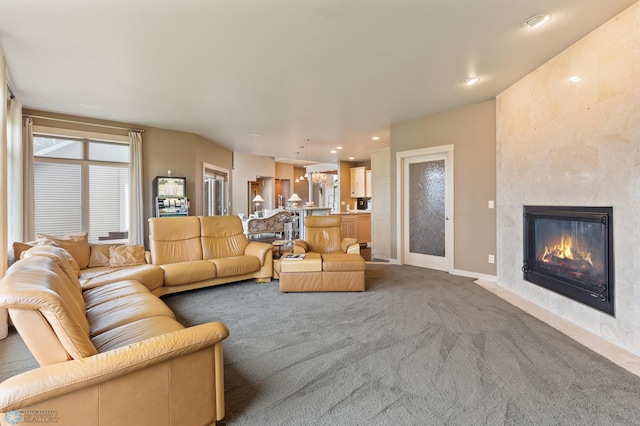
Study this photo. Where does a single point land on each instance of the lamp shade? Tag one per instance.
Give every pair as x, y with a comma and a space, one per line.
295, 198
258, 199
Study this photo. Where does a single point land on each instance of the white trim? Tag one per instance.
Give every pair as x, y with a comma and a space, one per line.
401, 156
469, 274
81, 134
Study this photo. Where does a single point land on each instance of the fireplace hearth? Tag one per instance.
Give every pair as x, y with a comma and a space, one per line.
569, 250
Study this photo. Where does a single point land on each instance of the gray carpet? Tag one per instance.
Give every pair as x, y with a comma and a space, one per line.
418, 347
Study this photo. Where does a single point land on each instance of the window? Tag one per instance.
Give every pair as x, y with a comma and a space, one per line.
81, 185
215, 191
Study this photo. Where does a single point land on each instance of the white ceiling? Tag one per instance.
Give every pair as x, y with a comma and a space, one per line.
261, 76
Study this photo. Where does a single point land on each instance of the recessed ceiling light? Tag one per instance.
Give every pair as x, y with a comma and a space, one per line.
537, 20
376, 138
574, 78
352, 158
333, 151
338, 147
471, 81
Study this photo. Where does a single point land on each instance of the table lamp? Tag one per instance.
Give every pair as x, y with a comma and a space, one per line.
258, 199
294, 199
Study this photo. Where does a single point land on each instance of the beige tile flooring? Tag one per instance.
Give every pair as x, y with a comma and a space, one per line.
615, 354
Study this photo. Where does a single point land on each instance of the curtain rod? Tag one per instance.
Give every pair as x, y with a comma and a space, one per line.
12, 96
84, 123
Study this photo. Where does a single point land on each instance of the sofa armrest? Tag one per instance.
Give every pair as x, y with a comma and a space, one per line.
54, 380
350, 246
300, 246
258, 250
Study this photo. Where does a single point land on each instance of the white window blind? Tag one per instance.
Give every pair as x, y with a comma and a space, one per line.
57, 198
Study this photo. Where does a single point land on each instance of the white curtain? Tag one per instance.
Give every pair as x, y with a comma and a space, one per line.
4, 246
28, 222
136, 228
14, 173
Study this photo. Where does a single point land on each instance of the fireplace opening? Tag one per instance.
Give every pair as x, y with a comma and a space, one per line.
569, 250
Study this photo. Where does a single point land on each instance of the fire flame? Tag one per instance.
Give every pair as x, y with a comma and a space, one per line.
564, 250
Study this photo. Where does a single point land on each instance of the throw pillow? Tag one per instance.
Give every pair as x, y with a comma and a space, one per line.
20, 247
76, 244
100, 254
126, 255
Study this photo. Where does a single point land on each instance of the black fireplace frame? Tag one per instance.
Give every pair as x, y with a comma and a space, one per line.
601, 299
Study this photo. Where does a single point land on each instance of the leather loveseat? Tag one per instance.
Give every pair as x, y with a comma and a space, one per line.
110, 354
200, 251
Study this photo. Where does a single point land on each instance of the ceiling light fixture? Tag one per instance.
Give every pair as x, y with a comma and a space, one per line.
376, 138
298, 179
574, 78
352, 158
333, 151
306, 173
471, 81
537, 20
338, 147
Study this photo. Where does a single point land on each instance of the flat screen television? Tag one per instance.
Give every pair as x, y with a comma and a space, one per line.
170, 187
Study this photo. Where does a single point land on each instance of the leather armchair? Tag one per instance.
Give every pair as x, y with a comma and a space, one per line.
323, 234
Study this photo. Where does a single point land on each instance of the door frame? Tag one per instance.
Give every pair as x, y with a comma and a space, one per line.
401, 188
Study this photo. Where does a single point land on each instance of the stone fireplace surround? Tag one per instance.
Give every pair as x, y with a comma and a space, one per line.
564, 143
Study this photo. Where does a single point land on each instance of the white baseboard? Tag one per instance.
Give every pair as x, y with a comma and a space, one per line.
483, 277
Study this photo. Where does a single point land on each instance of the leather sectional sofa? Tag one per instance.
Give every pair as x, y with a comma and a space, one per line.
110, 351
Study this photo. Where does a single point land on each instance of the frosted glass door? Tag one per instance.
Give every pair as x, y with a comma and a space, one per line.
426, 212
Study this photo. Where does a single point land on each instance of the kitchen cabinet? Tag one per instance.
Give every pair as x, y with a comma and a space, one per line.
367, 183
358, 182
357, 225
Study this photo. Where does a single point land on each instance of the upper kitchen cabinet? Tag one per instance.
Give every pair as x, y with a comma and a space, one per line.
358, 182
367, 183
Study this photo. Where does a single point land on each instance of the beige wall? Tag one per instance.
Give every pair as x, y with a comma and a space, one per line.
564, 143
182, 153
472, 132
248, 168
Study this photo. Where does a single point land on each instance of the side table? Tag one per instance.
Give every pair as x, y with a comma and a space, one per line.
279, 244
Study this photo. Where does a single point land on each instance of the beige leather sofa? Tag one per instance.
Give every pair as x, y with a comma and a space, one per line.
110, 351
200, 251
331, 263
110, 354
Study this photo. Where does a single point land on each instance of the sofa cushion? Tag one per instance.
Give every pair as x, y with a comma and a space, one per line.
135, 332
222, 236
114, 313
108, 292
337, 262
151, 276
100, 254
76, 244
37, 284
63, 259
188, 272
174, 239
126, 255
236, 265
